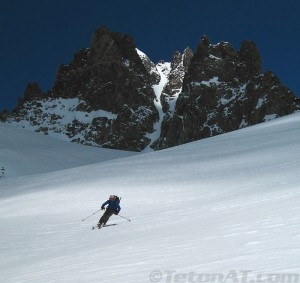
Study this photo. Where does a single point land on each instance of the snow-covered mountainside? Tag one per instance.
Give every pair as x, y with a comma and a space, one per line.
226, 206
112, 95
23, 152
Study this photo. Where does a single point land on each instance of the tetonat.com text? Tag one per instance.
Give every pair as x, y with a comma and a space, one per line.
233, 276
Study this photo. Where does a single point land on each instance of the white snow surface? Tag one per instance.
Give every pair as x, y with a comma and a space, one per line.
23, 152
65, 113
163, 69
220, 205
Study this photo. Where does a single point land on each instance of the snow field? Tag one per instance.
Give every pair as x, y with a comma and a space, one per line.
230, 202
23, 152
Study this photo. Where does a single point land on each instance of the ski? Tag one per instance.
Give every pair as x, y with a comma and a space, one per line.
93, 227
103, 226
96, 227
108, 225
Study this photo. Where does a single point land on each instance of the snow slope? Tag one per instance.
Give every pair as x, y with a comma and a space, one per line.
23, 152
64, 111
163, 69
222, 205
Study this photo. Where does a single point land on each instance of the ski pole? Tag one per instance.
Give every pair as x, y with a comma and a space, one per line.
91, 214
124, 217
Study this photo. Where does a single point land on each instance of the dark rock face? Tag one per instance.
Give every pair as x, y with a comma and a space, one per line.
150, 67
178, 70
112, 95
223, 91
109, 76
32, 91
4, 115
179, 67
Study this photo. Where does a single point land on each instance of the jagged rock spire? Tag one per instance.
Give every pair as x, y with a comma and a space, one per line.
108, 89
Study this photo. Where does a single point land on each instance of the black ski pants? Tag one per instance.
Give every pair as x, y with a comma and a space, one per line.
107, 214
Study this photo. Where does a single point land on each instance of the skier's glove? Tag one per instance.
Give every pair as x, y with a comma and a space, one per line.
116, 213
102, 208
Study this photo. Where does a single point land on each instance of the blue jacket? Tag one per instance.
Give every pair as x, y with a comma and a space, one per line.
113, 205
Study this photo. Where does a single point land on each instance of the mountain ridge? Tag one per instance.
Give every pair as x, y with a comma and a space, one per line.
112, 95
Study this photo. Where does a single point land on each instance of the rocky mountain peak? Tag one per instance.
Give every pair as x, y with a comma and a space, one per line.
110, 79
33, 91
187, 57
249, 54
103, 73
224, 90
111, 47
112, 95
176, 59
205, 40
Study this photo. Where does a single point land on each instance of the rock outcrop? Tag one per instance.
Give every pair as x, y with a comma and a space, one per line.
112, 95
109, 77
224, 90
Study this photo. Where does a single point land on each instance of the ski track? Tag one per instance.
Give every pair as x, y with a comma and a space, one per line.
226, 203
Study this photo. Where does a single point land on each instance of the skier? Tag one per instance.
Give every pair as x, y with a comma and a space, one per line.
112, 208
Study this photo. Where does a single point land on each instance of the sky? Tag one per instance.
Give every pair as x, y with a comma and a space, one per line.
37, 36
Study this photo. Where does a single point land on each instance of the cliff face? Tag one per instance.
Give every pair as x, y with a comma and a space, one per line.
109, 86
112, 95
224, 90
